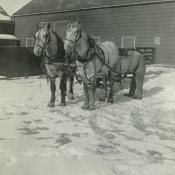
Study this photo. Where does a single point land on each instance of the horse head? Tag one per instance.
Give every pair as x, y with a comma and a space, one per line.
73, 34
41, 39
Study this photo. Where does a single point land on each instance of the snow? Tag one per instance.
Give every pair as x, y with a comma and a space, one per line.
7, 36
4, 17
128, 137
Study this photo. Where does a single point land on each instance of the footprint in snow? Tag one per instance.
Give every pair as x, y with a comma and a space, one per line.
155, 154
28, 131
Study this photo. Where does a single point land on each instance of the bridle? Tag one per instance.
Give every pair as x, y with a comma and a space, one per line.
75, 41
43, 43
77, 37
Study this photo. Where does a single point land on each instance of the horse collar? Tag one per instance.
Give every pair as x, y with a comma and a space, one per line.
89, 54
79, 36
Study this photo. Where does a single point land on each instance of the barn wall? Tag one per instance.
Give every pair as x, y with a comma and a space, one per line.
145, 22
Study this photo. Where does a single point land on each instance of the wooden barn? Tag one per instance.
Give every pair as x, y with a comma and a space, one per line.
128, 23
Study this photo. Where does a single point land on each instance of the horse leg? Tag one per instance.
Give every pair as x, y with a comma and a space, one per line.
104, 79
70, 81
53, 89
111, 85
91, 89
86, 101
140, 74
132, 87
63, 80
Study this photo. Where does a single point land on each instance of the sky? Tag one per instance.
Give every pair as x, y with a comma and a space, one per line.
11, 6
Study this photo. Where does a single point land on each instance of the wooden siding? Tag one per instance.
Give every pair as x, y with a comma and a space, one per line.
145, 22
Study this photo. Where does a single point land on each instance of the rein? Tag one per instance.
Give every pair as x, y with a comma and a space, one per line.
77, 37
93, 50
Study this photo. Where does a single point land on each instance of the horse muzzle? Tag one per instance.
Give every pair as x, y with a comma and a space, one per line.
37, 51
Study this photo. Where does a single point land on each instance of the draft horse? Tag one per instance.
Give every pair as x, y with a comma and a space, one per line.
132, 63
50, 47
94, 59
91, 59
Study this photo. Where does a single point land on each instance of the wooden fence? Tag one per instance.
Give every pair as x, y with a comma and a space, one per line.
18, 62
21, 62
148, 52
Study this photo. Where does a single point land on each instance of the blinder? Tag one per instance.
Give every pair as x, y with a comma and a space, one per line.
77, 37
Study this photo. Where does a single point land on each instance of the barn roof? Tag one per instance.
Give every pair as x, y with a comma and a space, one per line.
3, 15
8, 37
49, 6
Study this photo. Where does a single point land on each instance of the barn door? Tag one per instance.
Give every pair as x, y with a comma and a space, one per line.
60, 27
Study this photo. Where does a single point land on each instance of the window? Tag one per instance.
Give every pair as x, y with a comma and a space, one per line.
59, 27
96, 39
157, 40
128, 42
29, 42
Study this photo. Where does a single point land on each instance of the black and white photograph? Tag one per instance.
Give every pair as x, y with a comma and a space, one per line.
87, 87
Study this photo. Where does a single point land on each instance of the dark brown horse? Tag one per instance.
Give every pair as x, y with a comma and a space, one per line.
51, 47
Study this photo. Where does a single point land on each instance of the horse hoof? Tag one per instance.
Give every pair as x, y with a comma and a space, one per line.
51, 105
137, 97
91, 107
110, 101
62, 104
128, 95
101, 99
85, 107
71, 96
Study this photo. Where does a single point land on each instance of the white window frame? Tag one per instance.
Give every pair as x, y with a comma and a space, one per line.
27, 42
128, 37
96, 38
157, 40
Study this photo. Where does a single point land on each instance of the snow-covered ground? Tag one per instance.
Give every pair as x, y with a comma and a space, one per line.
128, 137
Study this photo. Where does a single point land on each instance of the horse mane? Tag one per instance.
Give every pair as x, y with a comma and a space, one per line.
59, 39
60, 42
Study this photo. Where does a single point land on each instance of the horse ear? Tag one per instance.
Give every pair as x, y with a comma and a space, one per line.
68, 21
78, 20
37, 26
48, 26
